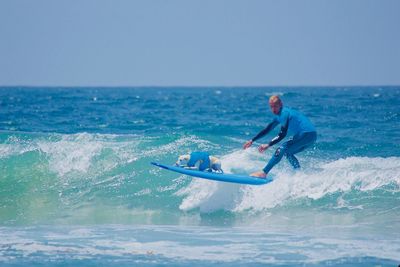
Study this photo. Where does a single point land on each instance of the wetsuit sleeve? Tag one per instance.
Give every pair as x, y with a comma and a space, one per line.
267, 129
281, 134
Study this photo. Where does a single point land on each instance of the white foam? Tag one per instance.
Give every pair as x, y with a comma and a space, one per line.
77, 152
343, 175
223, 245
15, 146
73, 156
71, 153
180, 146
209, 195
5, 150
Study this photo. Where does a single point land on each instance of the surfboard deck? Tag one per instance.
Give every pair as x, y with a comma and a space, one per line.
222, 177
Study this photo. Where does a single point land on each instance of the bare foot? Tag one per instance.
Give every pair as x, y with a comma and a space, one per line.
259, 174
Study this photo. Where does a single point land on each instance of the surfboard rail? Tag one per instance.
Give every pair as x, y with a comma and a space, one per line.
222, 177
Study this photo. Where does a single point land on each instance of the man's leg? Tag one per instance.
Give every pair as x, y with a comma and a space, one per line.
290, 148
297, 145
276, 157
293, 161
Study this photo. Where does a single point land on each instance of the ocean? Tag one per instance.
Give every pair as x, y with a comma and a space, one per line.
77, 187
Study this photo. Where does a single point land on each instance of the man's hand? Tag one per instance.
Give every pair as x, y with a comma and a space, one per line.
263, 147
248, 144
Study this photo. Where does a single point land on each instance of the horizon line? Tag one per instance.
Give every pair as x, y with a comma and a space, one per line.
193, 86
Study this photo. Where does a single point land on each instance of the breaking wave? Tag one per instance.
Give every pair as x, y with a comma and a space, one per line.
96, 178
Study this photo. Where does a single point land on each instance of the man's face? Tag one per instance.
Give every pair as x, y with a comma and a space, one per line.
275, 106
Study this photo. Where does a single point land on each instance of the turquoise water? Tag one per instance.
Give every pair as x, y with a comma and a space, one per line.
76, 186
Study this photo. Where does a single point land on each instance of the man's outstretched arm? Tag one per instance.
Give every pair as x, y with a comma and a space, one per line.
265, 131
281, 135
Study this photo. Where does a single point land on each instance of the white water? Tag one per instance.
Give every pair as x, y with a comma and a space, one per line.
321, 180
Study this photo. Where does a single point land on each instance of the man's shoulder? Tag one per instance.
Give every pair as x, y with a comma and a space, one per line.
291, 111
286, 111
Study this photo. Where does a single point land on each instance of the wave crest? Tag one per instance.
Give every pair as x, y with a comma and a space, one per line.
340, 178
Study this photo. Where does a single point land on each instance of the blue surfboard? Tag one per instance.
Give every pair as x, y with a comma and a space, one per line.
230, 178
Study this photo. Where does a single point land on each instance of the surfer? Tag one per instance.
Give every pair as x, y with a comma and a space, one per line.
291, 121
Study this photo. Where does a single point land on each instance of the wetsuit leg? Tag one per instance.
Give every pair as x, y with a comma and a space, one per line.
293, 161
276, 157
298, 144
291, 147
301, 142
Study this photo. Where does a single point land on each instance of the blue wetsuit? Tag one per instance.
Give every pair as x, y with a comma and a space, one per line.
296, 124
203, 157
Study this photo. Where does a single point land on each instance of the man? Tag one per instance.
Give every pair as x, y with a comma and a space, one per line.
292, 122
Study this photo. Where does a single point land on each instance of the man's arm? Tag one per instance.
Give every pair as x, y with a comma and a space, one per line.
281, 135
264, 132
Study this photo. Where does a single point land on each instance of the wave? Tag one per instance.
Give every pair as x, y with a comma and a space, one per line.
340, 181
99, 177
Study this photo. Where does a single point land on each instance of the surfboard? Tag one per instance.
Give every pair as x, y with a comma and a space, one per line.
222, 177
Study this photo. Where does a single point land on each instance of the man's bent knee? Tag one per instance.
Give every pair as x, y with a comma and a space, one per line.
279, 152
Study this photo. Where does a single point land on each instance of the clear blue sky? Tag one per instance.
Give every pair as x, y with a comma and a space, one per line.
199, 43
